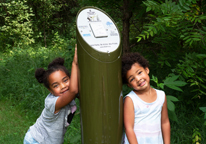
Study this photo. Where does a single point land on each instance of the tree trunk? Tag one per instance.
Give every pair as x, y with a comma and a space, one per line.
127, 14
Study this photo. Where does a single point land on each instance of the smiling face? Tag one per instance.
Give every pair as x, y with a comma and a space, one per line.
58, 83
138, 77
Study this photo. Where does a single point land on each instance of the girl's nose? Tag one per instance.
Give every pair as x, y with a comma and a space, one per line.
137, 78
62, 85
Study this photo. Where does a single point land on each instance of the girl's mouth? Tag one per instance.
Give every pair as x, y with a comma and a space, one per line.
65, 91
142, 83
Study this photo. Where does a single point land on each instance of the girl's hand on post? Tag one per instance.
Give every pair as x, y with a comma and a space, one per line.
75, 55
73, 87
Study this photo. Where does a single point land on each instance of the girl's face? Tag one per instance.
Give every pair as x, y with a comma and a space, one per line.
138, 77
59, 83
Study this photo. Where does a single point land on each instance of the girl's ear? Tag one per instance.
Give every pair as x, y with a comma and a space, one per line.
147, 70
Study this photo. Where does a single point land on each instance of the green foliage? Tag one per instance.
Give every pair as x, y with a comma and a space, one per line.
182, 20
196, 137
170, 100
53, 16
27, 21
174, 84
192, 69
61, 43
16, 28
204, 110
182, 131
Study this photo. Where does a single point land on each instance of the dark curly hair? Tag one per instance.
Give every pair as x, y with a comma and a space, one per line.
128, 59
42, 75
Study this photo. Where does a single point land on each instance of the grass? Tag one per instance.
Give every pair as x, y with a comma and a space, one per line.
12, 124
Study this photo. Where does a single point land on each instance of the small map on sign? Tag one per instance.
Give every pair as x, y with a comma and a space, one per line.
98, 29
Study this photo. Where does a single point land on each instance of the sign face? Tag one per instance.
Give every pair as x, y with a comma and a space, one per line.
98, 30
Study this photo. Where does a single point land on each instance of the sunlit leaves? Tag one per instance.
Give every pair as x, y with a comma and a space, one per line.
17, 22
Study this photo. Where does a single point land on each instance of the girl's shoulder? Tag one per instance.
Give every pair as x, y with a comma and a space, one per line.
131, 94
160, 95
50, 102
50, 97
160, 92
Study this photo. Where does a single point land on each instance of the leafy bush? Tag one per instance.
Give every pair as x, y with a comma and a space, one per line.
173, 19
192, 69
16, 28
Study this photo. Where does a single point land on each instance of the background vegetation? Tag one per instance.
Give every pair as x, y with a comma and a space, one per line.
170, 34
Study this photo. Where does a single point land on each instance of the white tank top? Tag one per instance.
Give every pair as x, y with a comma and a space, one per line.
147, 122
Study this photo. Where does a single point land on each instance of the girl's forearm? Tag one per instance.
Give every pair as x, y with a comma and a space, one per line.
131, 137
165, 123
74, 79
74, 74
166, 132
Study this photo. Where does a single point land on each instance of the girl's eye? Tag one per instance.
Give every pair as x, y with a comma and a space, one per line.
131, 79
65, 80
140, 72
55, 86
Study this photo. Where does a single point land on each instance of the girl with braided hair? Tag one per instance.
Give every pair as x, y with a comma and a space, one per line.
60, 106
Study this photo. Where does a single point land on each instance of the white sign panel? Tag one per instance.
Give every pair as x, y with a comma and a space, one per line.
98, 30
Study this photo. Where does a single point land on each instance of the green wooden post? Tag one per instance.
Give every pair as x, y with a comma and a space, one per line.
99, 57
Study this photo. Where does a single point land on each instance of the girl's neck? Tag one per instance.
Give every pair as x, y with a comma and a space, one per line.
146, 91
148, 95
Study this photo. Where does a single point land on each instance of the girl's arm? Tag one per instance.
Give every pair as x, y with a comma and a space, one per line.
73, 87
165, 123
129, 120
